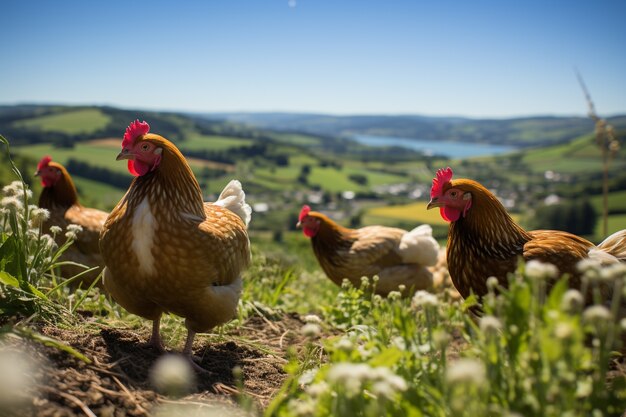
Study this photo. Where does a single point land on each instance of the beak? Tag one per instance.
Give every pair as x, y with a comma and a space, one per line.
298, 225
434, 202
125, 154
37, 173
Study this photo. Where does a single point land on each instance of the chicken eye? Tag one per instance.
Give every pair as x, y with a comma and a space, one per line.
453, 194
145, 147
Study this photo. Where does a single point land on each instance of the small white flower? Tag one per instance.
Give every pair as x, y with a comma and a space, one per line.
19, 377
572, 301
466, 371
394, 295
318, 389
301, 407
424, 299
311, 330
401, 287
55, 230
441, 339
563, 330
365, 282
307, 376
540, 270
613, 272
38, 216
16, 189
312, 318
597, 315
12, 203
490, 325
590, 269
47, 242
70, 235
172, 375
492, 283
344, 344
74, 228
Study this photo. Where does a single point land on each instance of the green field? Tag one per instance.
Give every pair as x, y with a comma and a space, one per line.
213, 143
82, 121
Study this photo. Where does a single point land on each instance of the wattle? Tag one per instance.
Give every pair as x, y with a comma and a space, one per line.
309, 232
137, 168
450, 214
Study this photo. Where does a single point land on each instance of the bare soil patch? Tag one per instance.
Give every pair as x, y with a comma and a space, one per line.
117, 382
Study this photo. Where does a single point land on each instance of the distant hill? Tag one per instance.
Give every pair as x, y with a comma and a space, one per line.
520, 132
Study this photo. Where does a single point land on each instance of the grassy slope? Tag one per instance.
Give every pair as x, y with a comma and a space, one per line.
71, 122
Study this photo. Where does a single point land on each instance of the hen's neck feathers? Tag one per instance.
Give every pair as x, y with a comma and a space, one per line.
172, 182
61, 194
488, 227
331, 236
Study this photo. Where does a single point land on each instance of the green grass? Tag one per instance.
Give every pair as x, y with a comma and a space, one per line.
414, 212
213, 143
97, 194
82, 121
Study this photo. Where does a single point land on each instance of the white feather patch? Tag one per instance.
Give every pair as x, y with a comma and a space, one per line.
419, 246
144, 227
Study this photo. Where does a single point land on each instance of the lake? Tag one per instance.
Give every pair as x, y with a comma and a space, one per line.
436, 147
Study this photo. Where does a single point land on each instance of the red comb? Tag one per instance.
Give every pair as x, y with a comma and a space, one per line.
133, 130
305, 210
443, 177
44, 162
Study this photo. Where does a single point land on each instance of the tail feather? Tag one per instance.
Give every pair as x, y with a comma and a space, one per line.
615, 245
234, 199
419, 246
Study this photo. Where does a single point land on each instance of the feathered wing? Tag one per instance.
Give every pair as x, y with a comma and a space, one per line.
615, 245
234, 199
418, 246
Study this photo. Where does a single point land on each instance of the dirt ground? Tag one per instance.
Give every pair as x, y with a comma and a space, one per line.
117, 382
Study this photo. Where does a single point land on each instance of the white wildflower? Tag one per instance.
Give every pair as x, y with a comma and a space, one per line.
401, 287
55, 230
597, 314
312, 318
307, 376
172, 375
47, 242
466, 371
74, 228
16, 189
490, 325
344, 344
301, 407
349, 376
613, 272
365, 282
540, 270
19, 377
377, 299
12, 203
441, 339
318, 389
590, 268
424, 299
563, 331
492, 283
375, 279
38, 216
394, 295
310, 330
32, 234
572, 301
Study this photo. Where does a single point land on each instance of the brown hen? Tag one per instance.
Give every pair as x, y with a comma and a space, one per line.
165, 249
484, 241
395, 256
59, 197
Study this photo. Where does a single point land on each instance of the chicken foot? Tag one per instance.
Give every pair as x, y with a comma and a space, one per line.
155, 339
187, 351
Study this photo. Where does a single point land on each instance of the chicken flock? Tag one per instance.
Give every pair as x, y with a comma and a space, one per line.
165, 250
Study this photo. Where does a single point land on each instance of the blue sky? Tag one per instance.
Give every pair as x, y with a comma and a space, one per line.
468, 57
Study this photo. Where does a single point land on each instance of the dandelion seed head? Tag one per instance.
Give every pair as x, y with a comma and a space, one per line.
12, 203
38, 216
466, 371
55, 230
310, 330
172, 375
492, 283
490, 325
540, 270
424, 299
597, 315
572, 301
74, 228
394, 295
312, 318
